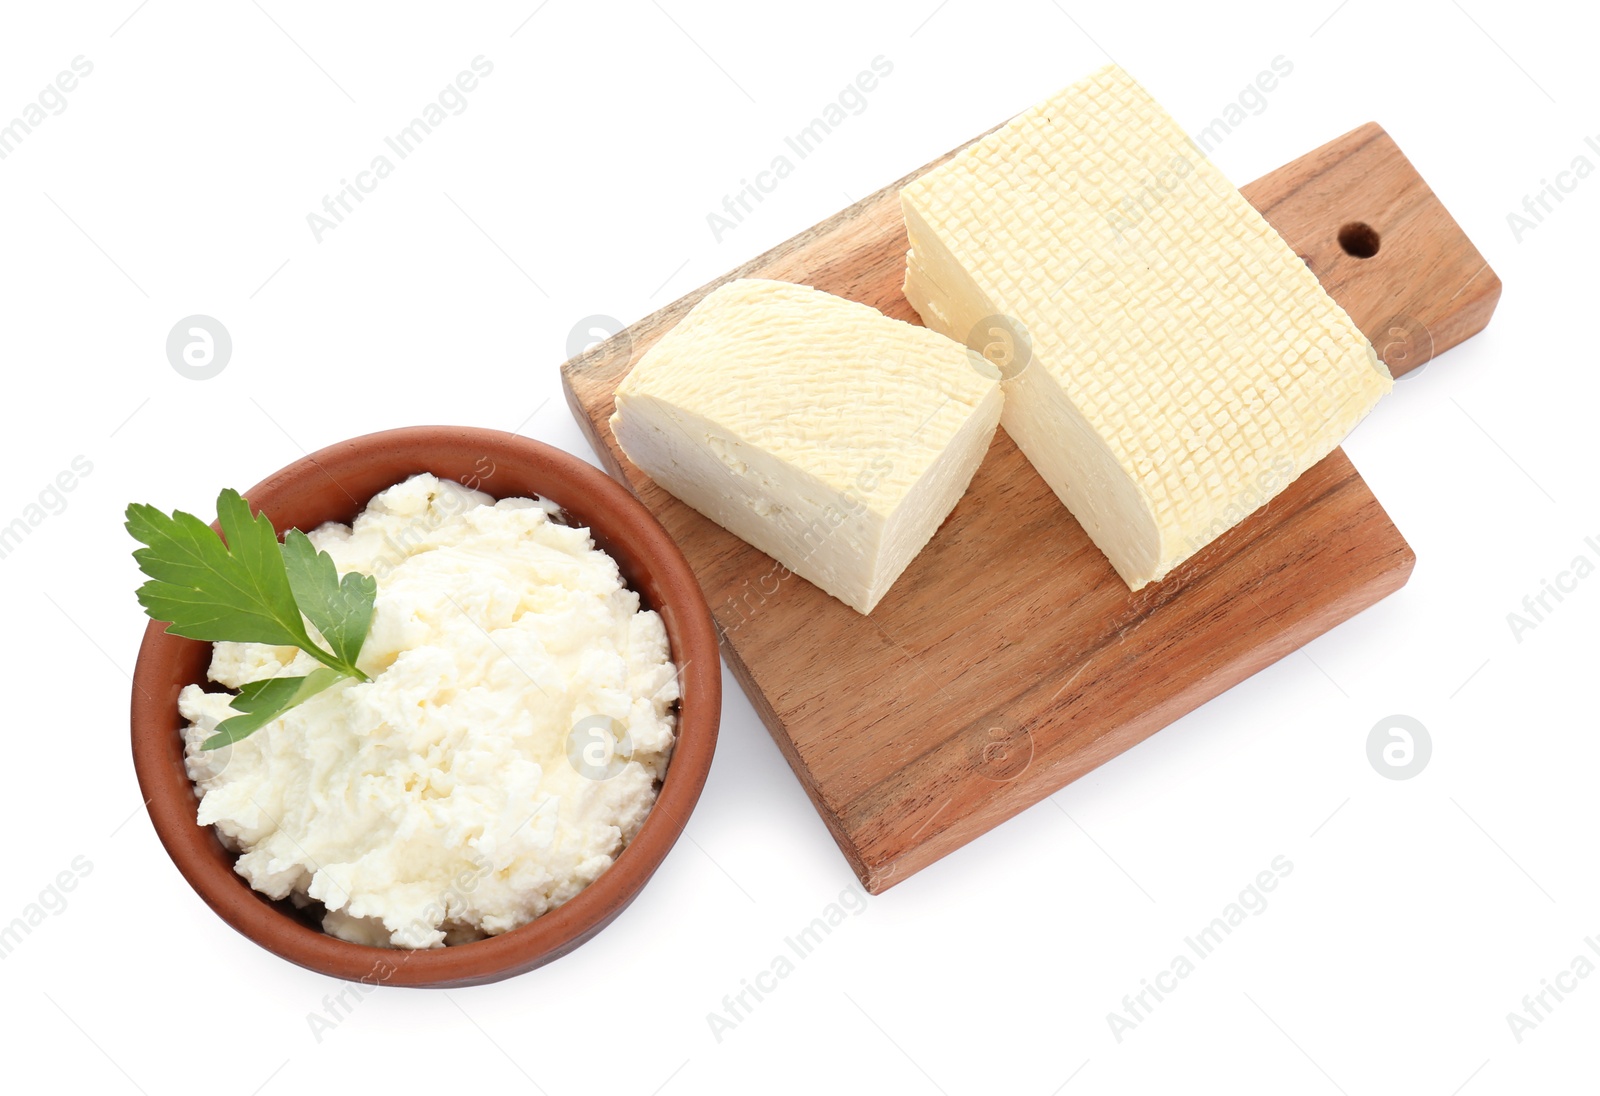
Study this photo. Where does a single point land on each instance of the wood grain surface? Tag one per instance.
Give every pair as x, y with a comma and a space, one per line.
1009, 659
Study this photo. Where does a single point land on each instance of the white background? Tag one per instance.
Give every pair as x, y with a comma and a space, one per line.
1419, 912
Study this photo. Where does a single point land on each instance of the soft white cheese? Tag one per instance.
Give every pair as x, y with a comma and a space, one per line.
1182, 364
826, 434
509, 746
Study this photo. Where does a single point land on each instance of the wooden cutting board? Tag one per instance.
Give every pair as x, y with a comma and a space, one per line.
1009, 659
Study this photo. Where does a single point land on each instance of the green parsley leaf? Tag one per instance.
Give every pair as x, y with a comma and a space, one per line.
245, 587
205, 589
260, 702
341, 609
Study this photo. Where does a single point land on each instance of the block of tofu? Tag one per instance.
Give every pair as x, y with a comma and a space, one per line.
824, 433
1171, 363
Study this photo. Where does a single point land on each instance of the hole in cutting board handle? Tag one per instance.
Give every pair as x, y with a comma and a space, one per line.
1359, 239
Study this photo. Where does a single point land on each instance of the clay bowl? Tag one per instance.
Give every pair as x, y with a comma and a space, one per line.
334, 484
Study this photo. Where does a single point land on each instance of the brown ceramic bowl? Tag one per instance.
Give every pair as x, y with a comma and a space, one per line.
334, 484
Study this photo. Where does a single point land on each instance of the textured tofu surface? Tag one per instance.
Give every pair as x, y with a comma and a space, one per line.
829, 436
1181, 364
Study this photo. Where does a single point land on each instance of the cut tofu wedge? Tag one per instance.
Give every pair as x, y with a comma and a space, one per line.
1171, 363
824, 433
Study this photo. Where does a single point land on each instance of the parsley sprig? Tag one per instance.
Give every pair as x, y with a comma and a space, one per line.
246, 587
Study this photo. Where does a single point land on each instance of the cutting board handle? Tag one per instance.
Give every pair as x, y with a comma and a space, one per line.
1382, 244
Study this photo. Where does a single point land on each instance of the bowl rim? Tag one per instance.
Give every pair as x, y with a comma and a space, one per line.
171, 801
